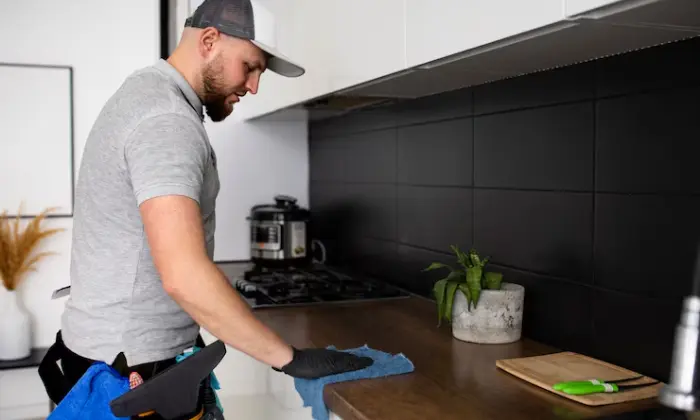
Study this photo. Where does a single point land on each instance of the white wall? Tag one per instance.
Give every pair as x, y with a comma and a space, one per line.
256, 160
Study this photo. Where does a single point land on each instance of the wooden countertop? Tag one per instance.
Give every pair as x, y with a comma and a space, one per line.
452, 379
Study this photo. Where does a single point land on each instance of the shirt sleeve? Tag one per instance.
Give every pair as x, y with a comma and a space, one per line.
166, 155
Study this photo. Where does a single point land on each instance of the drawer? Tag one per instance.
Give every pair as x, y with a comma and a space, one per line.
22, 388
28, 412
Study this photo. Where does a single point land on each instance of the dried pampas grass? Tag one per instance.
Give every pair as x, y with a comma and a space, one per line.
16, 247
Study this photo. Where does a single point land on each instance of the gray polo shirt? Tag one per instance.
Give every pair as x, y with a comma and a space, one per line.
148, 141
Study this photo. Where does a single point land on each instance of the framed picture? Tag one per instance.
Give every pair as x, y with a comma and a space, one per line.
36, 139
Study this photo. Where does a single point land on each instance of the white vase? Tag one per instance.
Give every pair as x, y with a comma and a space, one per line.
497, 318
15, 327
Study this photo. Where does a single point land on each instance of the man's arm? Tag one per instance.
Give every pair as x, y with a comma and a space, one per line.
165, 159
173, 225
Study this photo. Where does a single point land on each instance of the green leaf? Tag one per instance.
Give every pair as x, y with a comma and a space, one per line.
436, 265
462, 258
474, 283
493, 280
457, 276
449, 299
439, 293
474, 257
465, 291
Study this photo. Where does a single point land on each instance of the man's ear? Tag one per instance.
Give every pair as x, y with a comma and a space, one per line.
207, 39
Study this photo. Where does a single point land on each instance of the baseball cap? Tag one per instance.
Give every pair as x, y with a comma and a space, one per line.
249, 20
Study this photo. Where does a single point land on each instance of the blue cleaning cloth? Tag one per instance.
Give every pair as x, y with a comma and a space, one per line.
385, 364
90, 396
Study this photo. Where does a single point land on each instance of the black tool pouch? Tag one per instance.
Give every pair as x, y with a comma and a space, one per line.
171, 390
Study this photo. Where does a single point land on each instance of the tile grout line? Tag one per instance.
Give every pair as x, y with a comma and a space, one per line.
549, 277
473, 183
594, 188
511, 189
396, 184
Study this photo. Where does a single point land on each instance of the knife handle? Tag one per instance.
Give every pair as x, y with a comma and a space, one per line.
590, 388
562, 385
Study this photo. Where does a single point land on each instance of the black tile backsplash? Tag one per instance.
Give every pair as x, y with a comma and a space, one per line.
408, 272
374, 210
581, 184
421, 224
544, 148
437, 153
635, 331
556, 312
449, 105
672, 65
649, 142
562, 85
646, 244
541, 231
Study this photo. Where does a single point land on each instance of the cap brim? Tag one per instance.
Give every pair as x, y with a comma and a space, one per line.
278, 63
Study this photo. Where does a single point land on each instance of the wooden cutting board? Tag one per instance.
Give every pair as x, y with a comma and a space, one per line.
546, 370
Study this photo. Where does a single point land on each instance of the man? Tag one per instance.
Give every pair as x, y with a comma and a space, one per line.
142, 276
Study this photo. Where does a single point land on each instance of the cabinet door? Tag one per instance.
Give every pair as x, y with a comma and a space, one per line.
22, 395
437, 29
575, 7
339, 43
299, 37
361, 39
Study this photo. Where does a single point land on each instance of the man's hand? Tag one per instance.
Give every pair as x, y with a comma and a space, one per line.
315, 363
173, 226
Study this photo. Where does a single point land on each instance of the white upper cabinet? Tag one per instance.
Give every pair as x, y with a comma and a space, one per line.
575, 7
361, 39
297, 37
435, 29
344, 43
340, 43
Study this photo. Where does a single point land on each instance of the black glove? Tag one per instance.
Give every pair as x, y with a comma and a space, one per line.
315, 363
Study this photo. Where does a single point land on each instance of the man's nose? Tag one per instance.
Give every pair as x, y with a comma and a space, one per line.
252, 84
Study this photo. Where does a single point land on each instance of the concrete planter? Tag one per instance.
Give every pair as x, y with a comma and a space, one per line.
497, 318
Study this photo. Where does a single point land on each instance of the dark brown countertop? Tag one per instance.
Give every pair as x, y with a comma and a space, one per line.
452, 379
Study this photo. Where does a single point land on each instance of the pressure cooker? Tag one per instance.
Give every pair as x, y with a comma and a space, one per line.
279, 233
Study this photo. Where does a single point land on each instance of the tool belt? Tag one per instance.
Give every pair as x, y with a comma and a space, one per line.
170, 391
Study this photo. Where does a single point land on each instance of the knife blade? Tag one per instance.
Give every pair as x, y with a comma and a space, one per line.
585, 389
58, 293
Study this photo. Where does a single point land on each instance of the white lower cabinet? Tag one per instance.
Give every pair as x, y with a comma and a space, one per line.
251, 390
22, 395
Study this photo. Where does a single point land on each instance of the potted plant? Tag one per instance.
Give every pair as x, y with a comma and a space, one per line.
17, 258
481, 307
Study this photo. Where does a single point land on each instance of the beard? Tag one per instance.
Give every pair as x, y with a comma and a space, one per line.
214, 92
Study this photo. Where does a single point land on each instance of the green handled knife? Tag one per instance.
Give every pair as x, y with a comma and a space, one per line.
562, 385
591, 388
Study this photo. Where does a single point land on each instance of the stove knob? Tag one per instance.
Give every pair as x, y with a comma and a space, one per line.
278, 290
247, 290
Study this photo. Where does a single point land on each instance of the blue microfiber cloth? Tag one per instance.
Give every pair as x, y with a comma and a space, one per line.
90, 396
385, 364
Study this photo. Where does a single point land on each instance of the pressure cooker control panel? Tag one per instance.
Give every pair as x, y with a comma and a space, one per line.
266, 236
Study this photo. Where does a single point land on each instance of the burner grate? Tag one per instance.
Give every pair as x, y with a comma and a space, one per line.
296, 286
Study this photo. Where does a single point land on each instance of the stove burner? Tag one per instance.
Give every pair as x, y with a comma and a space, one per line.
295, 286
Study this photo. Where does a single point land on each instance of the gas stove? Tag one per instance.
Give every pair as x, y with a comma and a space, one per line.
266, 287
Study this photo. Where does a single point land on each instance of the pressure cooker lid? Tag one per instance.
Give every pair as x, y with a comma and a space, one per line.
284, 206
